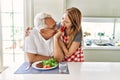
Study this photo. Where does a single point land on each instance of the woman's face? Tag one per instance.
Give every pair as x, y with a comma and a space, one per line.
66, 21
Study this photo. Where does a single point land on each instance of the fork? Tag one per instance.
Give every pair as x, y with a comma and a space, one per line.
28, 67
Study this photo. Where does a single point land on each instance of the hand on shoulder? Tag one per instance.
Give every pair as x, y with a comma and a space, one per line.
27, 31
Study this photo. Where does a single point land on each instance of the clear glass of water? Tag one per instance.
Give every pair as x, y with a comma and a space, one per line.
62, 67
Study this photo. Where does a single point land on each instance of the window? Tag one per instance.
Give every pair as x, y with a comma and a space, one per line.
12, 25
101, 29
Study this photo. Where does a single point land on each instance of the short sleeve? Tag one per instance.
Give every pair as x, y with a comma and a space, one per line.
58, 25
29, 45
78, 37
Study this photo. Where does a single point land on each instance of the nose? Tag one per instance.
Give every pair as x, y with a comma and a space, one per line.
55, 30
62, 23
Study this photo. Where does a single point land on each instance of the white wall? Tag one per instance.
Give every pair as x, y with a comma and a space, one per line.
54, 7
28, 8
0, 46
99, 8
0, 42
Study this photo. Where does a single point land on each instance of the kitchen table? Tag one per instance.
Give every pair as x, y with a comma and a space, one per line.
78, 71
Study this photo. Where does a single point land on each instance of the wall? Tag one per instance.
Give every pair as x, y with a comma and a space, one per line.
0, 46
28, 9
54, 7
97, 8
0, 42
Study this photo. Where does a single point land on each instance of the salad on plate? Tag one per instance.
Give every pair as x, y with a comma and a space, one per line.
45, 64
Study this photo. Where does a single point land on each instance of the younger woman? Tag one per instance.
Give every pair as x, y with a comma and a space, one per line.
68, 39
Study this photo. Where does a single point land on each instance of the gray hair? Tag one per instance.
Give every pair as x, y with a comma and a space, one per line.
39, 20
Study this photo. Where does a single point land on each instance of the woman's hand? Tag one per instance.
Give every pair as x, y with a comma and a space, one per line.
58, 34
60, 31
27, 31
62, 28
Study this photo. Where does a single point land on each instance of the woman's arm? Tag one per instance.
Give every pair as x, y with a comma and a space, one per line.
71, 50
61, 47
58, 53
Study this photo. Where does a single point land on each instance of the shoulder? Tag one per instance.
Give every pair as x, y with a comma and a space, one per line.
58, 25
78, 37
34, 32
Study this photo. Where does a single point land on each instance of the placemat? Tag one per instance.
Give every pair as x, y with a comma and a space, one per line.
21, 70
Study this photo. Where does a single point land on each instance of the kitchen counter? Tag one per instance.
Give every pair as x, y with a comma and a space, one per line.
78, 71
102, 47
95, 53
105, 44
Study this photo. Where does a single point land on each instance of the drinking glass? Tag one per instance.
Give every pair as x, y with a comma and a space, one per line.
62, 67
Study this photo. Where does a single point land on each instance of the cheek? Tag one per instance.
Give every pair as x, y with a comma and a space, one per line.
66, 24
62, 24
51, 32
54, 32
69, 25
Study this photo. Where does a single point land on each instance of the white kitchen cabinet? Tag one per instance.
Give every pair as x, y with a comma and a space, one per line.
102, 54
97, 8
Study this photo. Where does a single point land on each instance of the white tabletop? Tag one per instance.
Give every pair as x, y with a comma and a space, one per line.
78, 71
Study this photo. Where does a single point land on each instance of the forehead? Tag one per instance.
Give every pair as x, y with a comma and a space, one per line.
49, 20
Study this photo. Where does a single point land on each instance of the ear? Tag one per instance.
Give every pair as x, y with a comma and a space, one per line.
42, 31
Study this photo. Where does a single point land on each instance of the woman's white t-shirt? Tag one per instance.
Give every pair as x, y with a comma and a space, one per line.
36, 44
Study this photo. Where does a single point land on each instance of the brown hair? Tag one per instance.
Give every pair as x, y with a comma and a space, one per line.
75, 17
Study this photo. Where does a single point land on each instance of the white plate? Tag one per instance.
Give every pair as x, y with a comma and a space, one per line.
35, 63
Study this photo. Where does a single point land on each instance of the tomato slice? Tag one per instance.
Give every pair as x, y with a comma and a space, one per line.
46, 66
